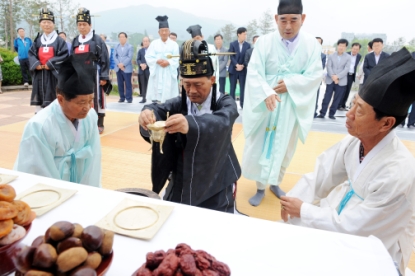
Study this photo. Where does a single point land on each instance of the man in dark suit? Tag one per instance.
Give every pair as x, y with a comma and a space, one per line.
249, 51
237, 69
372, 59
354, 53
411, 117
323, 61
143, 70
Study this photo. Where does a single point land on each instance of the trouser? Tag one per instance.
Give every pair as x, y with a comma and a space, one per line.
144, 83
318, 94
222, 84
350, 81
411, 117
338, 95
122, 78
24, 67
292, 145
233, 78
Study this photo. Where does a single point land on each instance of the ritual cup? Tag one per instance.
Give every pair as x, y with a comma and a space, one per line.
157, 133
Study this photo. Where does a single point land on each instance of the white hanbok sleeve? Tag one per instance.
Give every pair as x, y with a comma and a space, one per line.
329, 172
382, 211
151, 56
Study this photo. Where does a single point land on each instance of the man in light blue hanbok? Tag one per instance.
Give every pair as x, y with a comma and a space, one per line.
162, 83
62, 141
284, 74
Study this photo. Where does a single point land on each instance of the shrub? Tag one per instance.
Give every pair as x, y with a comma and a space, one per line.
11, 71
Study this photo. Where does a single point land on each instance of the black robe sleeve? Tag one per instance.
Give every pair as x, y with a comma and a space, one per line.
33, 54
103, 58
209, 160
163, 164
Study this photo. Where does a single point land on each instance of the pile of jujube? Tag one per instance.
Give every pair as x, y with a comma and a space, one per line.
182, 261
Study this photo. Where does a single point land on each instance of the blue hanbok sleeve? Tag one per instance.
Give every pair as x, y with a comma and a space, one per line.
92, 169
36, 156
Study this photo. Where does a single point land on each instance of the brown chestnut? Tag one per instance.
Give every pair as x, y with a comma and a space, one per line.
92, 237
38, 273
45, 256
71, 258
78, 230
38, 241
61, 230
84, 271
94, 260
107, 242
68, 243
24, 259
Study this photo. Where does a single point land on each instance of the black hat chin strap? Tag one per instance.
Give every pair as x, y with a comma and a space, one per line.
213, 101
184, 101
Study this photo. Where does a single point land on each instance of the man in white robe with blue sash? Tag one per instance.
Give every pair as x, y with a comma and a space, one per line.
284, 74
62, 141
364, 185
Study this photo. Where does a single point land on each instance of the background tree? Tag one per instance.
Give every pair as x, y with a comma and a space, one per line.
266, 22
395, 45
9, 14
411, 45
65, 16
229, 33
252, 30
30, 14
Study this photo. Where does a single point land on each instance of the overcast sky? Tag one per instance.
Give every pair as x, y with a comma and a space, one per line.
325, 18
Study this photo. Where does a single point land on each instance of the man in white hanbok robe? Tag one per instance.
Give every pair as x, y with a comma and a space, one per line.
364, 185
162, 83
290, 69
62, 142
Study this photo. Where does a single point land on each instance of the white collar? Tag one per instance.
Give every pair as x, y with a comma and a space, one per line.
292, 45
379, 146
87, 37
192, 107
48, 39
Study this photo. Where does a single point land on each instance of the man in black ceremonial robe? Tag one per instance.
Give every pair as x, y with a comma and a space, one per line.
197, 149
88, 41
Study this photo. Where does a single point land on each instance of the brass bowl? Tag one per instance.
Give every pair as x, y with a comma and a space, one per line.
157, 133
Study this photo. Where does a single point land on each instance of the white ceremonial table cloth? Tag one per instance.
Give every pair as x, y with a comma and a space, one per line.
279, 249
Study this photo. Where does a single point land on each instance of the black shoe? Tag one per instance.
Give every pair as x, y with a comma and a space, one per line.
412, 127
342, 109
142, 101
129, 101
320, 116
332, 117
121, 101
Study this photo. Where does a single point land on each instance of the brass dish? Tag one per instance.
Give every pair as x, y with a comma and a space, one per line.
157, 133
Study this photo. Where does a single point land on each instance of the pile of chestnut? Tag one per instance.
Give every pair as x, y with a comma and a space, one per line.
66, 249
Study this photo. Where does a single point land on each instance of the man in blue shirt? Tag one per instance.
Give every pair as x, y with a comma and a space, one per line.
22, 45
